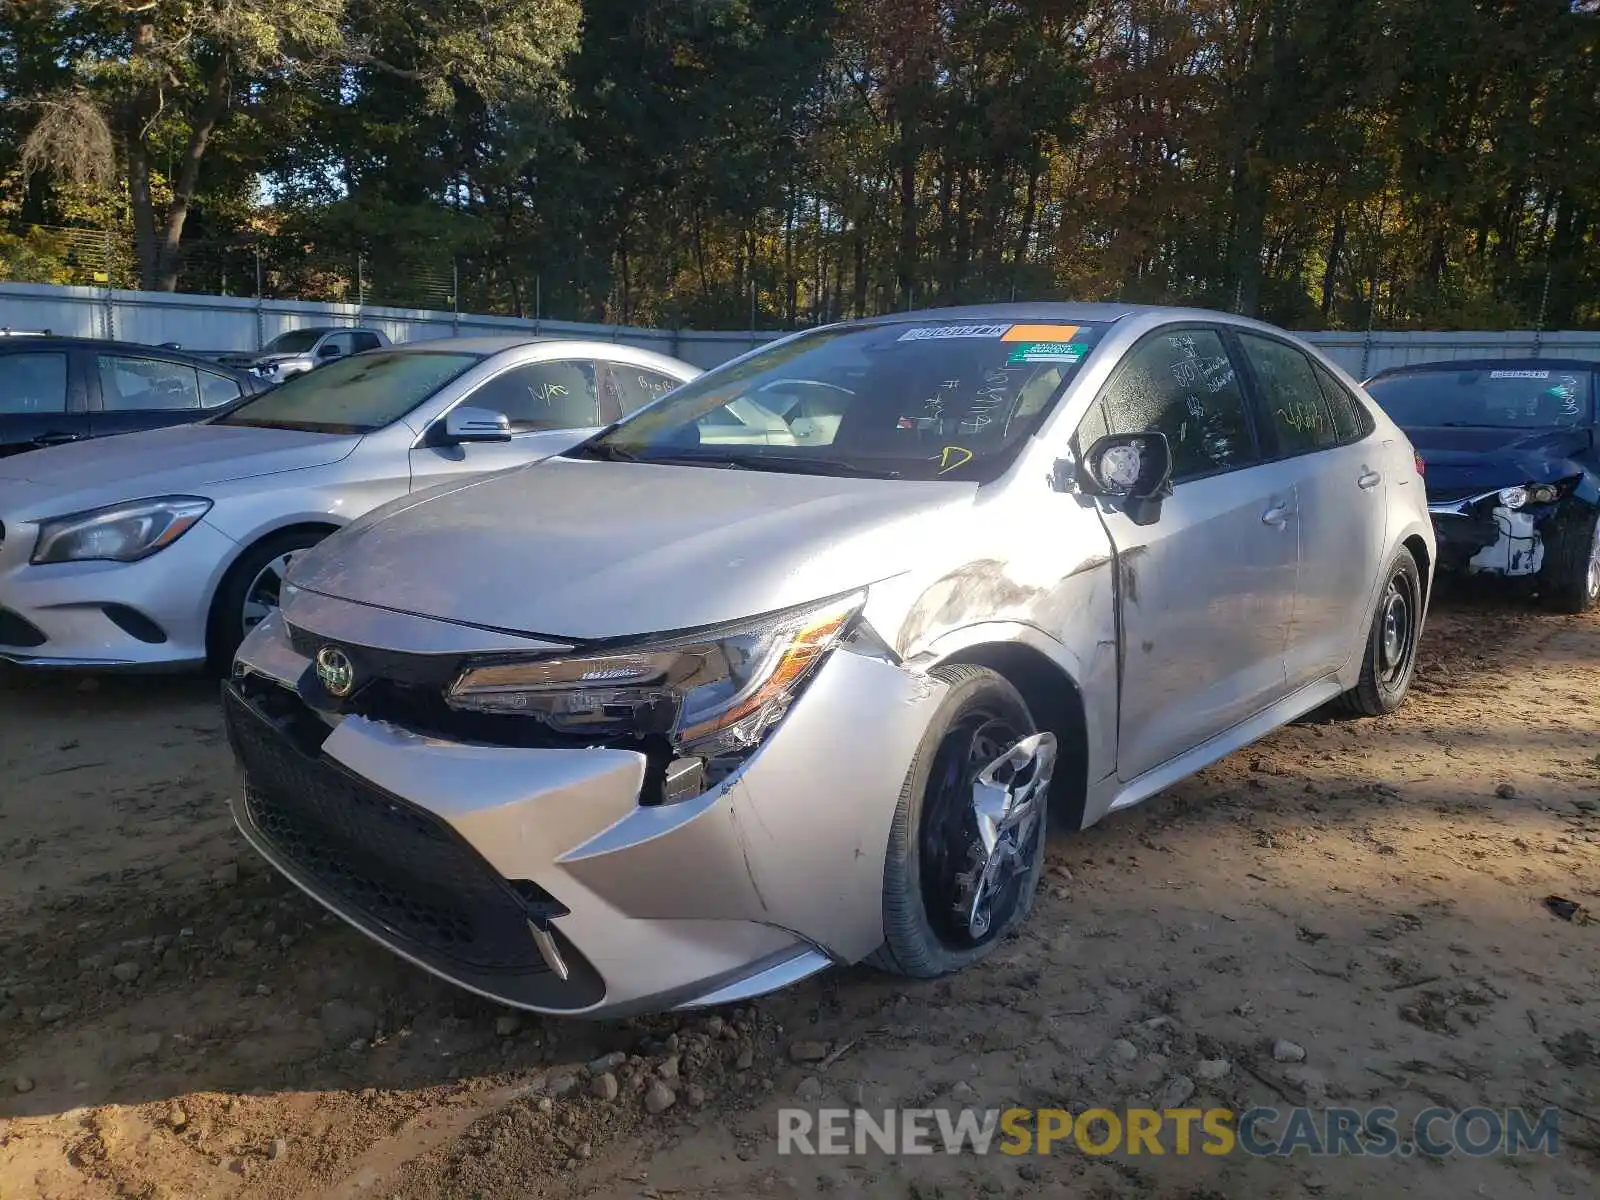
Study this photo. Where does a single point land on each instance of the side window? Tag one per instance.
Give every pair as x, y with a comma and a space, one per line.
1351, 420
145, 384
1181, 383
638, 386
552, 395
217, 390
334, 345
364, 341
35, 382
1296, 410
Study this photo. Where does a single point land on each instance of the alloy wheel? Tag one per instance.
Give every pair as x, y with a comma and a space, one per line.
982, 821
264, 592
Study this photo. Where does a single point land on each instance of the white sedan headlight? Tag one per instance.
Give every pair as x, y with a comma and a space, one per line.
712, 694
119, 532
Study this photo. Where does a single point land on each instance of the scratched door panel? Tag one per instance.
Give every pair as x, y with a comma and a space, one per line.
1206, 592
1206, 595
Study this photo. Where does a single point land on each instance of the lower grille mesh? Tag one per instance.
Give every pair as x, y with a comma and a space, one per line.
398, 866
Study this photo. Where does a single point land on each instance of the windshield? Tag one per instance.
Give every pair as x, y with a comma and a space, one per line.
296, 341
1500, 398
915, 400
353, 395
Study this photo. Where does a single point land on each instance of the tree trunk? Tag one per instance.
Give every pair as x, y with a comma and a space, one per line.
906, 266
158, 238
1330, 274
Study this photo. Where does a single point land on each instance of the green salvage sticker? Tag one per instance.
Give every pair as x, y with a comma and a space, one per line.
1048, 352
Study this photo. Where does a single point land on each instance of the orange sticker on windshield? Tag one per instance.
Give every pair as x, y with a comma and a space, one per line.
953, 457
1040, 333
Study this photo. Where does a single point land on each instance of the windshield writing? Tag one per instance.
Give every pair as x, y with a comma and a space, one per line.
924, 400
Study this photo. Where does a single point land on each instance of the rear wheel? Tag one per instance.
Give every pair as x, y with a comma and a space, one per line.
1571, 575
251, 591
967, 843
1389, 662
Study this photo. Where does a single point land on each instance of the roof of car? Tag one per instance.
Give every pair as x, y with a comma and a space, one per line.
54, 342
484, 344
1492, 364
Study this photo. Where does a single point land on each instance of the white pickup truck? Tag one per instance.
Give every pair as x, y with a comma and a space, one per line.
301, 350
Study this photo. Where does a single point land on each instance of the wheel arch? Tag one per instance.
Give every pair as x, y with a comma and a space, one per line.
1056, 704
1418, 545
242, 548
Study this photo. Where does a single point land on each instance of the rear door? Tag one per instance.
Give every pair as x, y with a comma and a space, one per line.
130, 392
41, 399
1205, 593
1339, 486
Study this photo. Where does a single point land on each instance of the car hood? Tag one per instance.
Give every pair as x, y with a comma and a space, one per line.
181, 460
590, 550
1467, 462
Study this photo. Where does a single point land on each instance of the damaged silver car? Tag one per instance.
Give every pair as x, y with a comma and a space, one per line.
793, 667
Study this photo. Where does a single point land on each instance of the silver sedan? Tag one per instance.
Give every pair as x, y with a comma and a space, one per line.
783, 671
161, 550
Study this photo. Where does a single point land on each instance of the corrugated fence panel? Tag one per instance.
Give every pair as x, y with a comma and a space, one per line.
235, 323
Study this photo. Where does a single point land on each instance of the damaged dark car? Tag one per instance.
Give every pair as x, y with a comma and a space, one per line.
1512, 466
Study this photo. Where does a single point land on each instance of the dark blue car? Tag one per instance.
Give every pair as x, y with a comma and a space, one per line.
62, 389
1512, 454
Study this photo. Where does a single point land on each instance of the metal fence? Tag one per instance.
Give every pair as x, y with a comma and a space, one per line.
220, 322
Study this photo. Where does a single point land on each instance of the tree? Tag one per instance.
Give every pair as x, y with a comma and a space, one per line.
157, 79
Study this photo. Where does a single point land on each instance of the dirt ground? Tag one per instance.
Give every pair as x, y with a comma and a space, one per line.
177, 1022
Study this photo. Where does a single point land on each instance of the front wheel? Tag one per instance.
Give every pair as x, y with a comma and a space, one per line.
1389, 662
967, 843
1571, 574
251, 591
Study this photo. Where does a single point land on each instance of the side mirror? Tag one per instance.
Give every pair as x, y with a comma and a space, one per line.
466, 424
1132, 469
329, 350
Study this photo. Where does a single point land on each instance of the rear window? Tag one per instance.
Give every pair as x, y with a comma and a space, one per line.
924, 399
1502, 397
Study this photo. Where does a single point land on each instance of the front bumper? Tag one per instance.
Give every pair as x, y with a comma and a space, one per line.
1478, 537
144, 616
463, 858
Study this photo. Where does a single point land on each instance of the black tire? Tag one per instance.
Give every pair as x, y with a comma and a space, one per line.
1386, 673
923, 944
225, 628
1570, 580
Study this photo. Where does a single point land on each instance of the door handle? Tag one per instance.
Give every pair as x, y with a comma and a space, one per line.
1277, 516
1369, 480
55, 439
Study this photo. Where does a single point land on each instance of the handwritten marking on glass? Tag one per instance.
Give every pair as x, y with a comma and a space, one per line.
1302, 416
953, 457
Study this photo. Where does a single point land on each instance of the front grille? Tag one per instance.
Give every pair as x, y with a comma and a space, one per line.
15, 631
400, 867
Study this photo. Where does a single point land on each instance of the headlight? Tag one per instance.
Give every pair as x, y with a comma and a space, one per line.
1514, 498
120, 532
710, 695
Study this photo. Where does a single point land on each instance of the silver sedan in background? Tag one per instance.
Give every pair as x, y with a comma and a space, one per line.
782, 671
163, 549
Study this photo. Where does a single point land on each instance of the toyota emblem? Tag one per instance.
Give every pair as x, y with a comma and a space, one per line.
336, 671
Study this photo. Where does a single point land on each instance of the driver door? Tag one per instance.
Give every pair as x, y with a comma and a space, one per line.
1205, 593
552, 406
